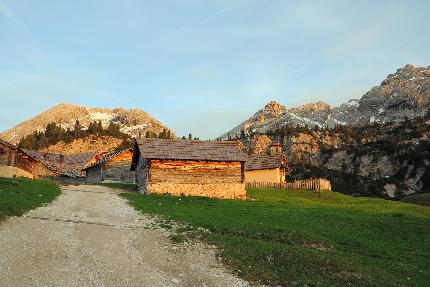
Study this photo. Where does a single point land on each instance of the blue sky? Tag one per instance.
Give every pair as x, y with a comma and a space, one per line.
201, 66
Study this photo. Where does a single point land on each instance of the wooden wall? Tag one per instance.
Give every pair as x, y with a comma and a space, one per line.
93, 175
142, 169
194, 172
12, 156
118, 168
115, 169
7, 154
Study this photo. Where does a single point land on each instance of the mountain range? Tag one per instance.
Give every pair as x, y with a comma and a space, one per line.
403, 94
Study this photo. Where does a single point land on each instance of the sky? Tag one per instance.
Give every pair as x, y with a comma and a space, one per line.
201, 67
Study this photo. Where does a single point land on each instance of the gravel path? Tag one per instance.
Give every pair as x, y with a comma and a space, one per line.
90, 236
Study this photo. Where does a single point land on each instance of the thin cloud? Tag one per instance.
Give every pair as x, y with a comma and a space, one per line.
14, 18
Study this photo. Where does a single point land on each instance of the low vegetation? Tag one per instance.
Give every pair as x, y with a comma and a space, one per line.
304, 238
19, 195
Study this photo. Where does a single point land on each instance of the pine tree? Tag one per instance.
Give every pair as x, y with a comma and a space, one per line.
77, 130
99, 128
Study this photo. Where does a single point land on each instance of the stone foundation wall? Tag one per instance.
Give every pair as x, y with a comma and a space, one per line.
218, 190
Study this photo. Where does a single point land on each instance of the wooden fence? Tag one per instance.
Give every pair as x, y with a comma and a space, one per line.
310, 184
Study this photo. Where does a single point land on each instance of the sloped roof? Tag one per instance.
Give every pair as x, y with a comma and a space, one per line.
8, 144
12, 146
256, 162
190, 150
71, 165
107, 157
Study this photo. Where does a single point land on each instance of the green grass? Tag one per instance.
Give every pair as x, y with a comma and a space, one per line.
19, 195
119, 185
421, 199
304, 238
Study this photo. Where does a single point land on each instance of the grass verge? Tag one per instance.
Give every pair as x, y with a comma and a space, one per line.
304, 238
119, 185
19, 195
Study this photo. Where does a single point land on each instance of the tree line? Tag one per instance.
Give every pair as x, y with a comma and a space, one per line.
55, 133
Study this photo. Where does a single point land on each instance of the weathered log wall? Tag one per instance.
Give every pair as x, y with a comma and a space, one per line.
93, 174
118, 168
115, 169
194, 172
12, 156
192, 178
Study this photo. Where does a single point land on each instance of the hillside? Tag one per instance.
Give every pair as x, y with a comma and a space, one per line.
405, 93
99, 144
133, 122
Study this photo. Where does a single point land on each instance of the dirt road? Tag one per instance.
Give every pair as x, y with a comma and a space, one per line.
89, 236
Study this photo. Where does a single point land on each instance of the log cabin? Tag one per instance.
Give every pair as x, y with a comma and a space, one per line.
192, 168
113, 167
16, 162
66, 168
266, 168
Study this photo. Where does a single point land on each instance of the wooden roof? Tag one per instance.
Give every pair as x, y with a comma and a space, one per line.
71, 165
190, 150
19, 150
8, 144
256, 162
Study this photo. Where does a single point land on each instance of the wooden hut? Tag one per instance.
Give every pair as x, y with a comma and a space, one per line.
185, 167
16, 162
111, 167
66, 168
266, 168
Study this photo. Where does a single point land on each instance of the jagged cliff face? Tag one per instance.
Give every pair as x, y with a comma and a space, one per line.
406, 93
132, 122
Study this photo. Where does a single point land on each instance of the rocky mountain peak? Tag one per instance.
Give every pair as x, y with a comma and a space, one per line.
318, 106
134, 122
273, 108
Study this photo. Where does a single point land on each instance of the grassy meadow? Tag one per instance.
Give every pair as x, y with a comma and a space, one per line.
19, 195
306, 238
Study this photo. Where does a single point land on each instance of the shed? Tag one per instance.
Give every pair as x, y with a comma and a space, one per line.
114, 166
187, 167
266, 168
16, 162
